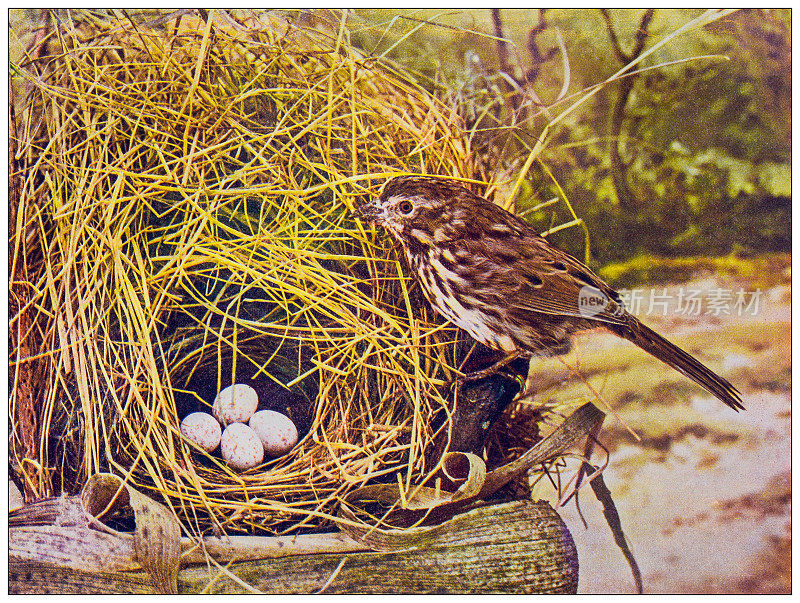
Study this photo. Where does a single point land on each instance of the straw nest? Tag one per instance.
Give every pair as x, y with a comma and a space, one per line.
181, 193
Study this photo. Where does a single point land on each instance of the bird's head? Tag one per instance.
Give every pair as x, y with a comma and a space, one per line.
419, 209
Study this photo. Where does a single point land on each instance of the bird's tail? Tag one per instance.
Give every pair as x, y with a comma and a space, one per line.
653, 343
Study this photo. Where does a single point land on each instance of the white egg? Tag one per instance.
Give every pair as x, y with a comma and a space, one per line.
202, 429
241, 446
235, 404
277, 432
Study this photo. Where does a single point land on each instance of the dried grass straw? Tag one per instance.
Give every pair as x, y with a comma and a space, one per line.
149, 157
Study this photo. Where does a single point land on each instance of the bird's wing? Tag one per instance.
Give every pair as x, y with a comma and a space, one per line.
553, 282
537, 277
559, 294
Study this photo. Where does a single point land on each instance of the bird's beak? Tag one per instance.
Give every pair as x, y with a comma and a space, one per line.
369, 211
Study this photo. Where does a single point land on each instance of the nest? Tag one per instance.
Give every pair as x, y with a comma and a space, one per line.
181, 196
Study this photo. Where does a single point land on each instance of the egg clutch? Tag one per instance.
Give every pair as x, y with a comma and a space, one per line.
248, 434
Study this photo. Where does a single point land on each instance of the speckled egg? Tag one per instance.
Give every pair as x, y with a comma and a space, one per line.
202, 429
235, 404
241, 446
277, 432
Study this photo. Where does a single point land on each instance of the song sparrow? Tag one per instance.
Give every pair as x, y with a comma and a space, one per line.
490, 273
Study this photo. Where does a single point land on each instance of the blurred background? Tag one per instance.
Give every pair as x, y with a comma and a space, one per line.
690, 158
672, 179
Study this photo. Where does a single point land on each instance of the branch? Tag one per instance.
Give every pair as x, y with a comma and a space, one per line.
502, 57
618, 166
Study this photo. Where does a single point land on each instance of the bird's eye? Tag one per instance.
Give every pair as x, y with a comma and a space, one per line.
405, 207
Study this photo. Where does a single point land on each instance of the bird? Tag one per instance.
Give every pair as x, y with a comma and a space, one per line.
490, 273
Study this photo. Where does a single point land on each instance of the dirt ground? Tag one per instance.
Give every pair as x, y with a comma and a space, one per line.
705, 496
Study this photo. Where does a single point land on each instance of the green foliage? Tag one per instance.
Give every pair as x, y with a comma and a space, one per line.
764, 270
704, 143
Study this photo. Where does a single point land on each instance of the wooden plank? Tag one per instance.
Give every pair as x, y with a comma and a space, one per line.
514, 547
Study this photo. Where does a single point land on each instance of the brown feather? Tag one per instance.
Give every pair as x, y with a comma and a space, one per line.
491, 273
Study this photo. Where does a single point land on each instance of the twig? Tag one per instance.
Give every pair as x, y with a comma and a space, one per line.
603, 494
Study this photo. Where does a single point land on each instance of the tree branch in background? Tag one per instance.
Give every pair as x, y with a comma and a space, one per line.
537, 58
627, 198
502, 48
502, 58
514, 85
